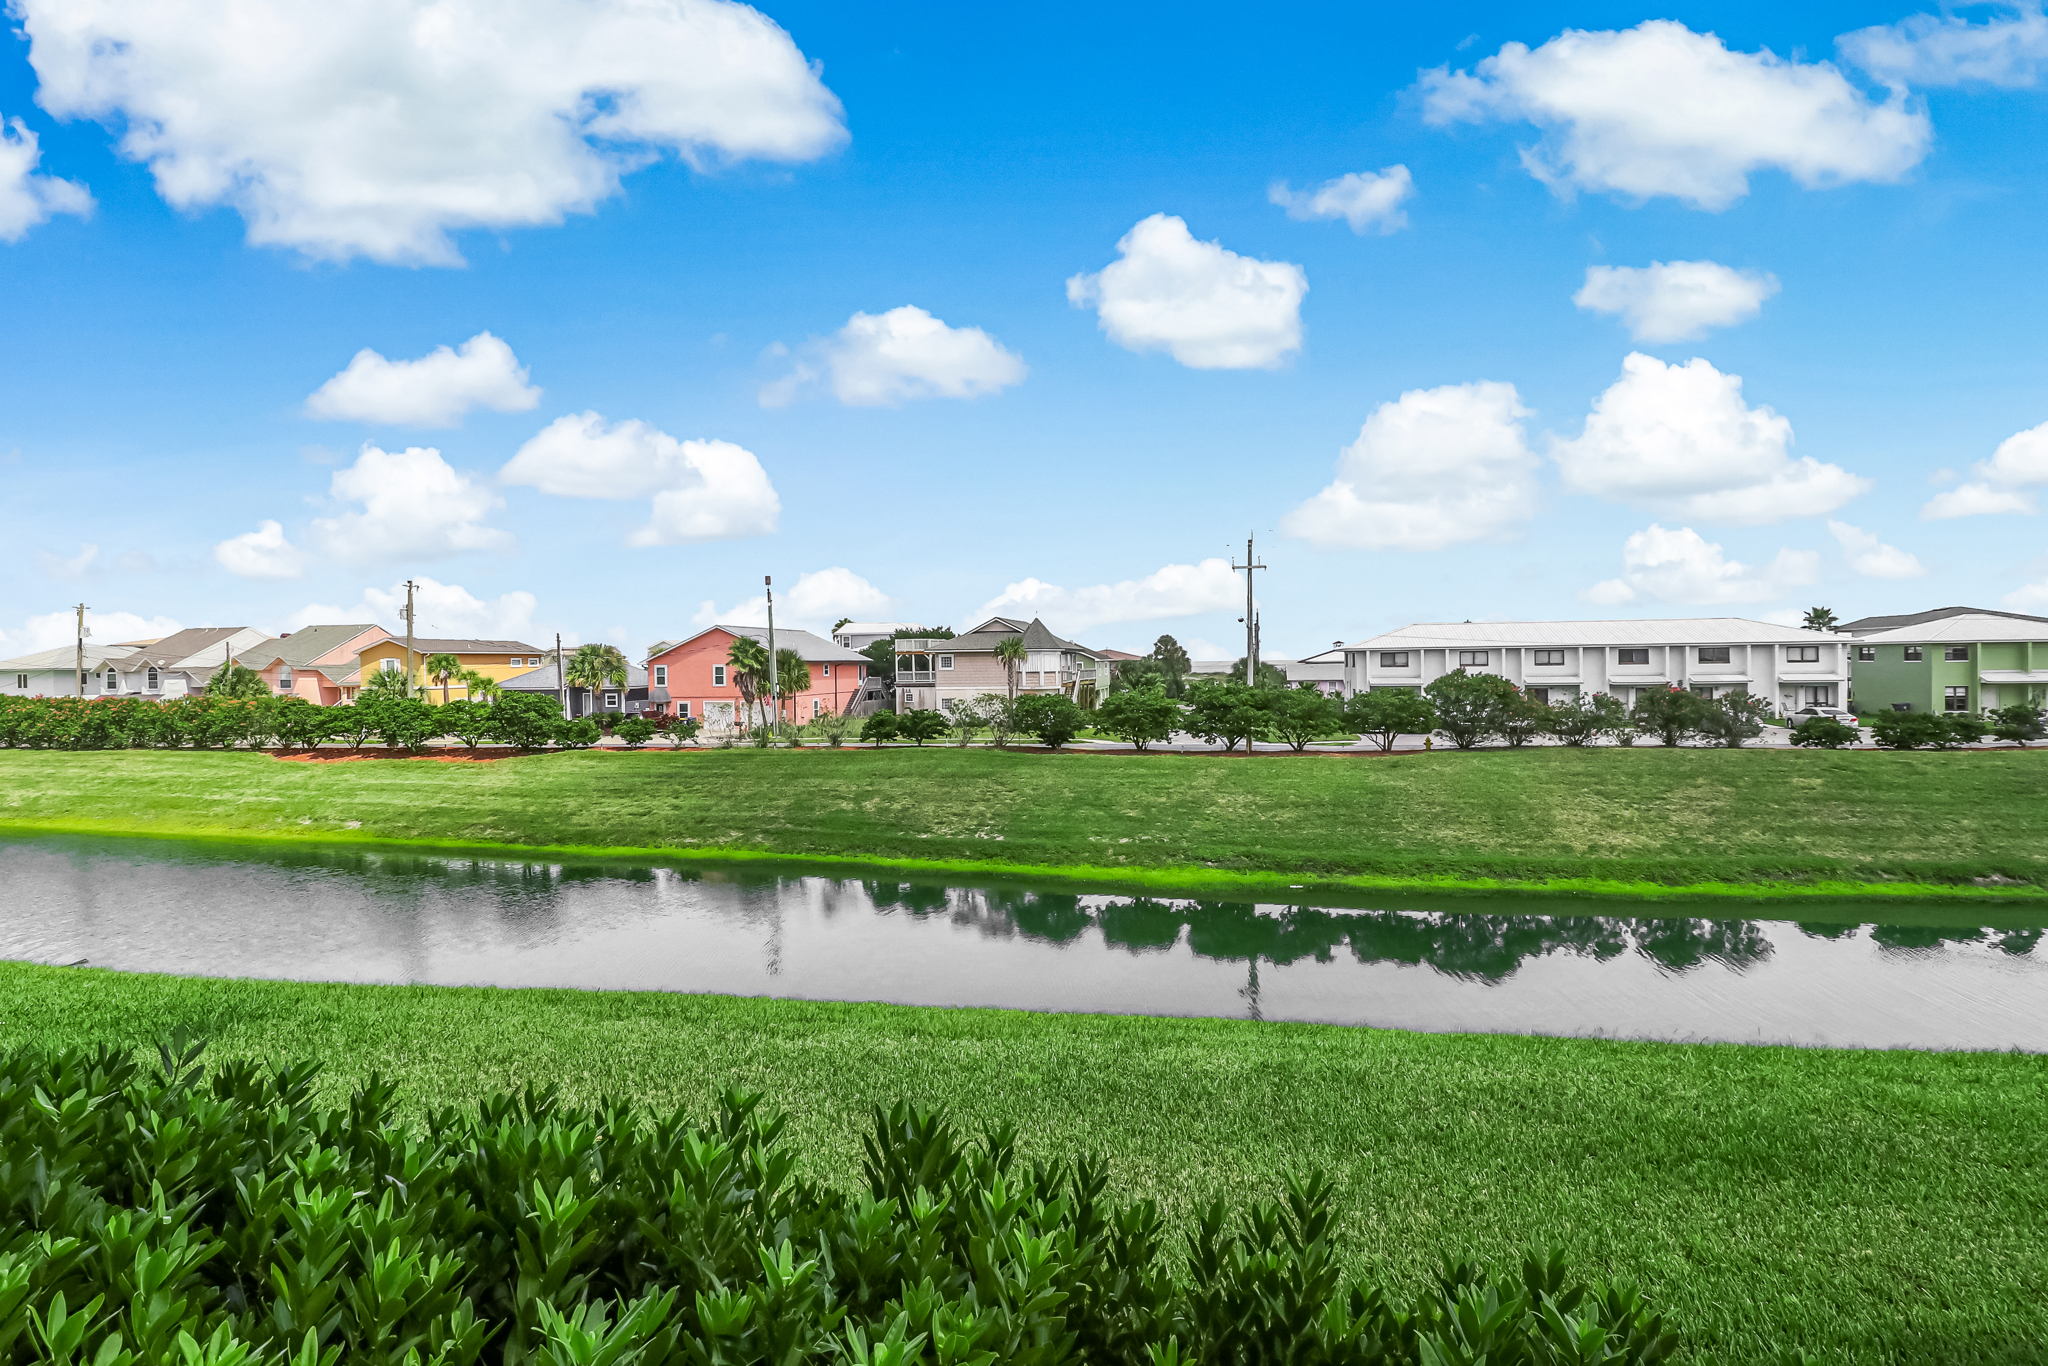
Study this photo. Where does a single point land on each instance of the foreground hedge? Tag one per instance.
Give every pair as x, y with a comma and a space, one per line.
166, 1213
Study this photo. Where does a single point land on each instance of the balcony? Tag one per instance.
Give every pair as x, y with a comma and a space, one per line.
915, 676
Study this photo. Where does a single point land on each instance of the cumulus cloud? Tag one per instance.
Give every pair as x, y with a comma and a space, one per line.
1871, 557
264, 553
1174, 590
1433, 468
436, 390
412, 504
1661, 110
2001, 484
26, 198
1207, 307
1663, 564
814, 601
1680, 438
444, 609
2032, 597
1365, 199
47, 630
75, 566
890, 358
2009, 49
378, 127
701, 490
1670, 301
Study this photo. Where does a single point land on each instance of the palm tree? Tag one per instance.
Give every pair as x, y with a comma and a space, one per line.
1010, 650
482, 687
792, 674
748, 661
595, 667
443, 669
1820, 619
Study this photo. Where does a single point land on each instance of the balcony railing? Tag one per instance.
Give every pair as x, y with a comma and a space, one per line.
917, 676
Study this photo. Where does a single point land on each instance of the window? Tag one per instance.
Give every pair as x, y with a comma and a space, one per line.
21, 681
1902, 706
1914, 654
1631, 656
718, 675
682, 709
284, 680
152, 680
817, 707
1540, 696
661, 675
611, 701
1470, 657
827, 668
389, 666
1955, 699
1549, 659
1715, 654
945, 661
1955, 653
1866, 654
113, 681
1393, 659
1802, 654
534, 662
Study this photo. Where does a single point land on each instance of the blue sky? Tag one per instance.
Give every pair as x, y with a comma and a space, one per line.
690, 272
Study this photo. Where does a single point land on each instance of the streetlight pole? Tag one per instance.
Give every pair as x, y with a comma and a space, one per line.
774, 674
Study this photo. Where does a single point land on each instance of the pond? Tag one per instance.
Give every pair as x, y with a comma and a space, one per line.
313, 913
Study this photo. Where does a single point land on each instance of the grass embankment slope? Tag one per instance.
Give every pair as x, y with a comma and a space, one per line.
1867, 1206
1632, 821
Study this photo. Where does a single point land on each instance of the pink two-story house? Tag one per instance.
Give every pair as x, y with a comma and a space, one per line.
317, 663
694, 677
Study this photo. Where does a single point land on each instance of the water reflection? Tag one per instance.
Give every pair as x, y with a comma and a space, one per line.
379, 916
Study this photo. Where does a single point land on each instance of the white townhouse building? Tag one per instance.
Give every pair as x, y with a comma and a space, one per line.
1785, 665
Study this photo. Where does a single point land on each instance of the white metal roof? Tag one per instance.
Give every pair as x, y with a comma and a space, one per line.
1968, 629
1659, 631
2014, 676
877, 628
66, 657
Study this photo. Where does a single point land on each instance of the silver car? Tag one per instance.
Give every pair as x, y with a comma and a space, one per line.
1832, 713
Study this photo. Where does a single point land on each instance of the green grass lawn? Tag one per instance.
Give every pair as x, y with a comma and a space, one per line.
1646, 819
1866, 1206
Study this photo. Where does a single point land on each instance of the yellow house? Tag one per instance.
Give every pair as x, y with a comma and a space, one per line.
494, 659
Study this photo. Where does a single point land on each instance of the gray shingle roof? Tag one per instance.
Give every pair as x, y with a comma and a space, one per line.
182, 645
543, 679
814, 648
1893, 623
66, 657
1036, 635
423, 645
301, 647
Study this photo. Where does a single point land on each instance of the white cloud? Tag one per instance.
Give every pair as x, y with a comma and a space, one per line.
26, 198
434, 391
2001, 484
1670, 301
1661, 110
443, 609
702, 490
1871, 557
47, 630
905, 353
414, 505
1207, 307
1174, 590
1364, 199
2032, 597
376, 128
264, 553
1663, 564
1433, 468
1680, 438
69, 566
814, 601
2009, 50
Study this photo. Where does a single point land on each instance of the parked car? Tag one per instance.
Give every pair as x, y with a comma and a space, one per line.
1832, 713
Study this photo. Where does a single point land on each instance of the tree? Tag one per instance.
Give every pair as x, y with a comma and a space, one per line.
1823, 732
832, 727
443, 669
595, 668
792, 674
577, 734
2020, 722
883, 725
401, 722
302, 724
237, 681
1300, 716
1673, 715
1470, 708
1582, 718
1137, 673
1734, 718
964, 715
1820, 619
1142, 716
482, 687
1053, 718
1011, 654
1225, 712
635, 730
1963, 728
920, 725
384, 683
468, 721
1265, 676
1002, 717
525, 720
747, 661
1384, 715
1173, 663
1522, 719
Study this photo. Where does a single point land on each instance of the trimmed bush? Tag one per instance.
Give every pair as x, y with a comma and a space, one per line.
1823, 732
165, 1212
1909, 730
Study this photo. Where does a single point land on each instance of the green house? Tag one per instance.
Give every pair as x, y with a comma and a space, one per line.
1965, 659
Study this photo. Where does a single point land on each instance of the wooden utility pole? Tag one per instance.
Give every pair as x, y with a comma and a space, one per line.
409, 666
79, 659
1250, 566
561, 682
774, 676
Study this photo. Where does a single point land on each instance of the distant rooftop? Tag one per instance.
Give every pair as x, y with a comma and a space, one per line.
1866, 625
1654, 631
1964, 626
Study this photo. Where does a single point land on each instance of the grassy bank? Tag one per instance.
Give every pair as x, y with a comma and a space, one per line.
1867, 1206
1627, 822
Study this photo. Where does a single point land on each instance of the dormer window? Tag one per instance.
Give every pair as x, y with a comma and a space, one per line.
152, 681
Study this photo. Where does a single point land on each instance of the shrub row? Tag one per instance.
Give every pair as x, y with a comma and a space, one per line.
169, 1213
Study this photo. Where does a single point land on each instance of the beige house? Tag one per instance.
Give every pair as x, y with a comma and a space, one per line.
931, 672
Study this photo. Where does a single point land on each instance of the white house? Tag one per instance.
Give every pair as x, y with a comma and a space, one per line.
55, 673
858, 635
181, 663
1785, 665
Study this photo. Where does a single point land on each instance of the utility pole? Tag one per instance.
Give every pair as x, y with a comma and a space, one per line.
1250, 566
561, 683
80, 658
774, 675
409, 666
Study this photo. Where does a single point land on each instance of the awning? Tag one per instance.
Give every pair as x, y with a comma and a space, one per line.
2013, 676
